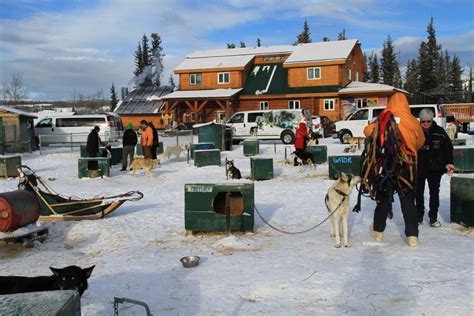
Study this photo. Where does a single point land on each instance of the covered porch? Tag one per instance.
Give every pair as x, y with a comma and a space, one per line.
200, 106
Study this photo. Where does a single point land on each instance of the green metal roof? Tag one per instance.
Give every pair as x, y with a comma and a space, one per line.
270, 79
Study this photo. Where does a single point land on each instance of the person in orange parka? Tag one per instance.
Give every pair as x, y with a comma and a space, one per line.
146, 139
300, 139
414, 138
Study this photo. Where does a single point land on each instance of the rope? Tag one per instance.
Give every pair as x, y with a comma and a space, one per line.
301, 231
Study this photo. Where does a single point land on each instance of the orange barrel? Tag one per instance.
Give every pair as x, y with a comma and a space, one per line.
17, 209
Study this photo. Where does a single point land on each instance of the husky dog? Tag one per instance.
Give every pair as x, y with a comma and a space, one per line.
351, 149
231, 171
68, 278
174, 150
303, 159
145, 164
337, 202
313, 140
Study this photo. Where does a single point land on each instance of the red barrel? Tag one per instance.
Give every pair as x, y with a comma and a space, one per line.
17, 209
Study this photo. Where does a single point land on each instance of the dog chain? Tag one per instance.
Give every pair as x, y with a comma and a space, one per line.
301, 231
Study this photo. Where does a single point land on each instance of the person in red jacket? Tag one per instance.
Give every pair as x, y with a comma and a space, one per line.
301, 139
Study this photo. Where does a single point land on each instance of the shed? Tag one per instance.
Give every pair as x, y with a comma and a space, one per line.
144, 104
16, 130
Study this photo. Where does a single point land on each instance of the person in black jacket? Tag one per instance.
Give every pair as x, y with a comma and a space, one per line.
434, 158
155, 144
93, 141
129, 142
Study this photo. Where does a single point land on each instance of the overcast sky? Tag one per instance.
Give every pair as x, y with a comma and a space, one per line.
80, 46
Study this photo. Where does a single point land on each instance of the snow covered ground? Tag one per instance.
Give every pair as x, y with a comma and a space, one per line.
137, 248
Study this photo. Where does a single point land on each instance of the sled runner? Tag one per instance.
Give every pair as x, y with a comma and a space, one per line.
56, 207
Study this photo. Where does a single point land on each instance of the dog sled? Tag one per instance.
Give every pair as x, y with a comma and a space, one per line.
56, 207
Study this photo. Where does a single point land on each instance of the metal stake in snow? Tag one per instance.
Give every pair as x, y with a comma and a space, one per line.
227, 213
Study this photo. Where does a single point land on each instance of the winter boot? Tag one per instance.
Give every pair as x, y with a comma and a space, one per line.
378, 236
435, 223
412, 241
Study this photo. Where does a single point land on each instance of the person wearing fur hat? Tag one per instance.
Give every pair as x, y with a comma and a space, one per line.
129, 142
434, 159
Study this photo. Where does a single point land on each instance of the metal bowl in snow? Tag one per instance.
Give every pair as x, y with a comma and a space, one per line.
190, 261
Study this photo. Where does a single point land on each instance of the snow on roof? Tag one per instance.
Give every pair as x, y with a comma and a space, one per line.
253, 51
19, 112
215, 62
358, 86
321, 51
215, 93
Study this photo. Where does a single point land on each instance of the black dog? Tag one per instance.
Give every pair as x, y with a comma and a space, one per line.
232, 171
68, 278
303, 158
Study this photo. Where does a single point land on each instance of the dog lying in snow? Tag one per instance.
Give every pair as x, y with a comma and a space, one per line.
231, 171
174, 150
145, 164
68, 278
337, 201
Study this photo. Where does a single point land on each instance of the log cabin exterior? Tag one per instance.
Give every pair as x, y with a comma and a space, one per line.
214, 84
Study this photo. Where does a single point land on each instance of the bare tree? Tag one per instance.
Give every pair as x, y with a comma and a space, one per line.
15, 91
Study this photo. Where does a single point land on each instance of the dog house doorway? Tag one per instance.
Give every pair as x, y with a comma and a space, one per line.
236, 202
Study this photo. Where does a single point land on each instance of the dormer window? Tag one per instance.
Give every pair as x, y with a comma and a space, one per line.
223, 78
314, 73
195, 79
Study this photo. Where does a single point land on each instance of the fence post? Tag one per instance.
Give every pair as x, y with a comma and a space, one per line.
71, 143
40, 144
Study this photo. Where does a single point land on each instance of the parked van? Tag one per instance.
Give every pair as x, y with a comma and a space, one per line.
76, 128
354, 124
268, 124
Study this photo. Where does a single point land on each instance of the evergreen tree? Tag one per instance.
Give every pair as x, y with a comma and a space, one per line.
138, 61
258, 42
411, 77
147, 62
428, 61
342, 36
305, 36
171, 82
230, 45
325, 39
113, 98
242, 44
366, 76
388, 65
374, 68
455, 81
157, 58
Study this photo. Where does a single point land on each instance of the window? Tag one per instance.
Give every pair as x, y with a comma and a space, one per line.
376, 112
223, 77
264, 105
329, 105
252, 117
356, 73
45, 123
294, 104
314, 73
195, 79
349, 73
193, 117
360, 115
237, 118
80, 121
361, 103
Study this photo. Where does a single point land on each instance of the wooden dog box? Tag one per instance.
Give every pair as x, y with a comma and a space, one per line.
84, 172
9, 166
205, 207
207, 157
344, 163
319, 152
251, 147
463, 159
59, 303
261, 168
462, 200
201, 146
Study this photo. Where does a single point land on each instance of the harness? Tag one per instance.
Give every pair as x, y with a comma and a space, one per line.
387, 164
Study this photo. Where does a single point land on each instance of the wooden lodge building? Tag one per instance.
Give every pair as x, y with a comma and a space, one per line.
322, 77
